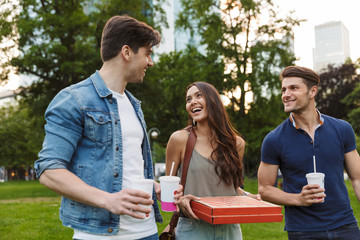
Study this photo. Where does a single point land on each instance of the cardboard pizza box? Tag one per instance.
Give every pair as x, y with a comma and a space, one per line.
235, 209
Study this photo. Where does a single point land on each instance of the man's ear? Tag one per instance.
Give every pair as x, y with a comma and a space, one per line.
126, 52
313, 91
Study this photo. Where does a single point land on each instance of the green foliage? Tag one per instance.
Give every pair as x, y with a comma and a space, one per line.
357, 142
259, 122
158, 152
351, 100
252, 52
163, 91
59, 43
336, 84
19, 142
253, 55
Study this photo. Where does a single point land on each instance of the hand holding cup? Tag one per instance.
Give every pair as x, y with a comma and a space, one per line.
145, 185
316, 178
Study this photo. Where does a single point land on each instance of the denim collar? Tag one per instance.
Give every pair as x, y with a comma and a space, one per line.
105, 92
100, 85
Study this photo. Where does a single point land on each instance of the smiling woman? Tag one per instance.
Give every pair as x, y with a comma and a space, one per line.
215, 167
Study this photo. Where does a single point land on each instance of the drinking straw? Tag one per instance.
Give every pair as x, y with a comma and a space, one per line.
172, 168
314, 163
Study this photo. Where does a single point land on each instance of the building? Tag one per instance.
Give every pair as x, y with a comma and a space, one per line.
175, 39
331, 45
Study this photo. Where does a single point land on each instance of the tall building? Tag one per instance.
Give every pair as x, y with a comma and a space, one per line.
175, 39
171, 39
331, 45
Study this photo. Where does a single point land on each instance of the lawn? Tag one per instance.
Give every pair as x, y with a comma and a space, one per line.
30, 211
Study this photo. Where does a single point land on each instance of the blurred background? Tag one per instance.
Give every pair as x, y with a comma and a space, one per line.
238, 46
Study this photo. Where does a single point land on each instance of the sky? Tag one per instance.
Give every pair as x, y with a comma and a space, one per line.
317, 12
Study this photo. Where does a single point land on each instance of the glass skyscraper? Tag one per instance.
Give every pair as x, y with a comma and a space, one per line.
331, 45
175, 39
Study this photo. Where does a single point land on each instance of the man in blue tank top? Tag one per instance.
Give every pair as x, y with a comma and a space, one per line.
311, 212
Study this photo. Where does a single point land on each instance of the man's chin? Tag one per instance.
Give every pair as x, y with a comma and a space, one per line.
288, 110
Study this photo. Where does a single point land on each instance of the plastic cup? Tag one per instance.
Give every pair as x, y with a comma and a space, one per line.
145, 185
169, 185
316, 178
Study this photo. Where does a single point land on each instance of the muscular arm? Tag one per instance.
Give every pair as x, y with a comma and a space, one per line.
267, 174
69, 185
352, 166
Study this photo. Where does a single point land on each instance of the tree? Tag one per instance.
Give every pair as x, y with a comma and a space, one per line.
163, 90
352, 100
335, 84
58, 43
19, 143
59, 46
253, 54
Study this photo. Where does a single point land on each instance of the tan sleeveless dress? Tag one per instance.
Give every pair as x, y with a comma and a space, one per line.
202, 180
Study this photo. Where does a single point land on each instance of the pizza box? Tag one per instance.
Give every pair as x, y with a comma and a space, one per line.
235, 209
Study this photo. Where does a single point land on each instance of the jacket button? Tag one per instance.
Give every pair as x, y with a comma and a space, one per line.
116, 175
110, 101
115, 122
110, 230
117, 148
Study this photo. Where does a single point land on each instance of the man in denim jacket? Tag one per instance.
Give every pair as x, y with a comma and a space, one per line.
96, 142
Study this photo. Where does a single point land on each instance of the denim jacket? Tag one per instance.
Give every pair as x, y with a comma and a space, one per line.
83, 135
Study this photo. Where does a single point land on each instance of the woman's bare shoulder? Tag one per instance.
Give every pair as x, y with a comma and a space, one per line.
240, 142
179, 136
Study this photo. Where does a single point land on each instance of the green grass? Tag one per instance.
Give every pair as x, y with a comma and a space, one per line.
22, 189
32, 220
30, 211
257, 231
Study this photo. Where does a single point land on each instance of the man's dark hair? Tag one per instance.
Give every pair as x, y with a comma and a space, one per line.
125, 30
310, 77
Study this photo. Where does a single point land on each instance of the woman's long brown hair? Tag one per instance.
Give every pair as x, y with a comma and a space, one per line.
228, 163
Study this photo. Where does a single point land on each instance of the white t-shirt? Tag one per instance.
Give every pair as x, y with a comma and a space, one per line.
133, 165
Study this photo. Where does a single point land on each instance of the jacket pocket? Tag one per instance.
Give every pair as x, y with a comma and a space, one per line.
98, 126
